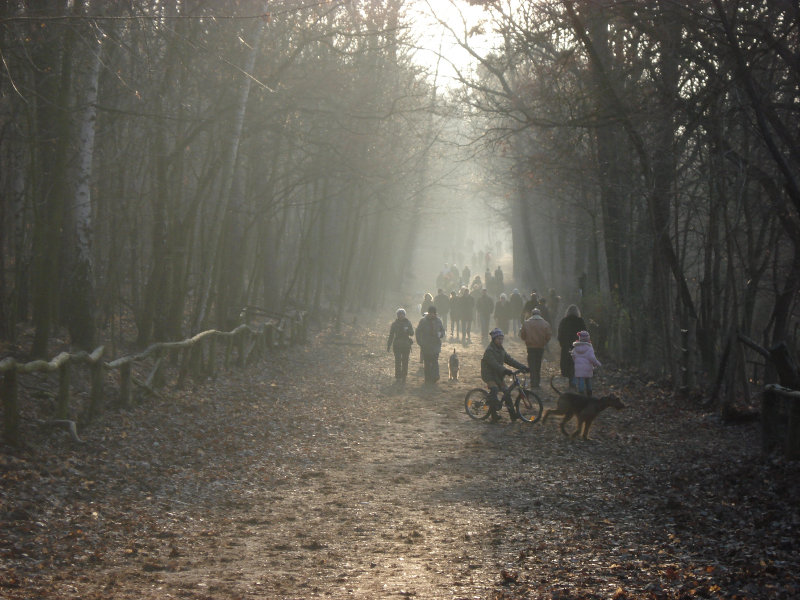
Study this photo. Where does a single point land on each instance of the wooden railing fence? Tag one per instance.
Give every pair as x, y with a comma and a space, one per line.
196, 356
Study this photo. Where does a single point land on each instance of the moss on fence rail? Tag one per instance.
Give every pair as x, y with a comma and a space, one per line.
248, 341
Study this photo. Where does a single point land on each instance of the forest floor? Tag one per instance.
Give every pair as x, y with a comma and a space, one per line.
311, 475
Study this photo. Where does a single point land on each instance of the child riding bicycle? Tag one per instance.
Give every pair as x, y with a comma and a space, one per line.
492, 372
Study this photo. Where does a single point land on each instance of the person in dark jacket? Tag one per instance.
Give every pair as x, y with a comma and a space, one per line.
502, 313
429, 334
485, 306
466, 306
530, 304
453, 314
400, 342
568, 329
493, 369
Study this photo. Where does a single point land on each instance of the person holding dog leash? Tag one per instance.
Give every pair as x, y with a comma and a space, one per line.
492, 372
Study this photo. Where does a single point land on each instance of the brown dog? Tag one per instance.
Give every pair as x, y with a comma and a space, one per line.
584, 408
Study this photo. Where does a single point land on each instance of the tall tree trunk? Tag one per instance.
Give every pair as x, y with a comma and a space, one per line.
229, 169
53, 85
80, 301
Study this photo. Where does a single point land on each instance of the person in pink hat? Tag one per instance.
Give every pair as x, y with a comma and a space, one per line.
585, 362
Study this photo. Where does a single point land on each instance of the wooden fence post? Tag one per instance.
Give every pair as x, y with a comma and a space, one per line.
125, 384
62, 406
211, 367
10, 407
241, 339
96, 395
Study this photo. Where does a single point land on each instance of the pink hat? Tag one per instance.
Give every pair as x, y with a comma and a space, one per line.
583, 336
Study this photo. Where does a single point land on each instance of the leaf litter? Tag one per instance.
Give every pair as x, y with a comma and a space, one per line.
311, 474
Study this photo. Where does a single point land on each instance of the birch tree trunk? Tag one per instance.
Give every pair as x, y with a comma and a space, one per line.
80, 300
228, 171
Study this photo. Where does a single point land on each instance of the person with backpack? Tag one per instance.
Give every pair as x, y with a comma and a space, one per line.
429, 334
400, 341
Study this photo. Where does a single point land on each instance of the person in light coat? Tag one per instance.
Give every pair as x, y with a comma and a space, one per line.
535, 332
585, 362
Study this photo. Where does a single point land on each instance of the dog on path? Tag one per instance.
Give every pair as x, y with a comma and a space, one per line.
584, 408
453, 366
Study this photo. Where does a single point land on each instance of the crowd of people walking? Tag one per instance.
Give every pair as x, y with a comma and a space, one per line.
461, 302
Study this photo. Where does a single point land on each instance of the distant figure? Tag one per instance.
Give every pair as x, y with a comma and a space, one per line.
400, 342
501, 313
485, 307
465, 274
554, 302
515, 310
568, 329
426, 302
498, 279
442, 304
531, 303
544, 309
466, 310
453, 302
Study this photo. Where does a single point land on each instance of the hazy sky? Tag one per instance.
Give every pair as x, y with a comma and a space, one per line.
433, 37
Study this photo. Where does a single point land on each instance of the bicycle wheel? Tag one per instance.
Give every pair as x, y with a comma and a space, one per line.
476, 403
528, 405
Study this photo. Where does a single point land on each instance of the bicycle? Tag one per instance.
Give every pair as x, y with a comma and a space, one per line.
526, 403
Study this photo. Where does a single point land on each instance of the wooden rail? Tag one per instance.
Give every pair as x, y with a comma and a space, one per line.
248, 340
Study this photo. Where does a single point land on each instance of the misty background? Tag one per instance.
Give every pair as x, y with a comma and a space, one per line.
168, 163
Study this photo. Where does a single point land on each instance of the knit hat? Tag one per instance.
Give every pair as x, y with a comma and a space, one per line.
496, 333
583, 336
401, 312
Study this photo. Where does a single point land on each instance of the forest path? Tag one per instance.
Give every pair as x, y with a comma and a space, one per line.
313, 476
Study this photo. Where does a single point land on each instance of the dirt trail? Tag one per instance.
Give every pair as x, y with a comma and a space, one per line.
313, 476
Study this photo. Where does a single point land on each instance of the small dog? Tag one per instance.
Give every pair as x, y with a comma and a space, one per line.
453, 366
584, 408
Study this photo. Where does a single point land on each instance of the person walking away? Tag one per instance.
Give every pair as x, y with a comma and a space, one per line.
530, 304
467, 308
400, 342
501, 313
498, 279
554, 302
442, 304
544, 309
535, 332
453, 303
485, 306
568, 329
493, 371
429, 334
426, 302
515, 310
585, 363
